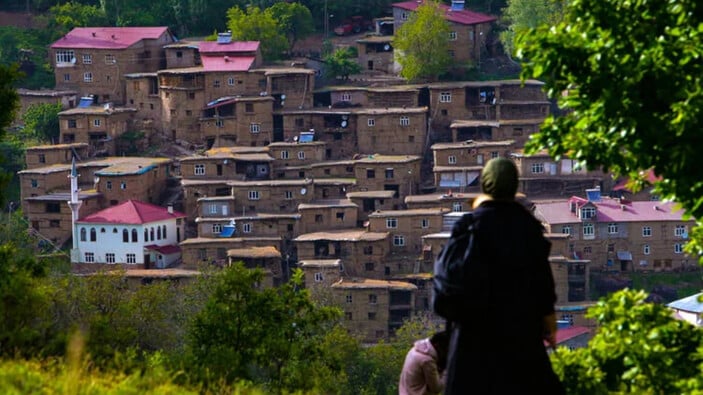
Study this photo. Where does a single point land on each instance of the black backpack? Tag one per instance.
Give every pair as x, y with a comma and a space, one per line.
448, 297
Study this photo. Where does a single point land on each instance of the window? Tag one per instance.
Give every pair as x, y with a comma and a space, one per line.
123, 185
372, 315
131, 258
163, 231
588, 212
199, 170
253, 195
451, 159
108, 185
457, 207
213, 209
494, 154
135, 237
451, 53
424, 223
391, 223
202, 254
249, 107
479, 159
588, 230
319, 218
97, 122
230, 81
370, 173
67, 77
346, 97
404, 121
54, 223
587, 250
398, 240
349, 298
566, 229
89, 257
369, 266
646, 231
216, 228
445, 97
179, 54
188, 112
368, 250
612, 228
110, 257
318, 277
110, 59
88, 77
348, 315
452, 36
35, 183
373, 299
83, 234
301, 155
645, 249
284, 154
538, 168
125, 236
93, 234
680, 230
403, 16
151, 234
216, 84
146, 234
288, 195
246, 228
42, 158
678, 248
254, 127
219, 123
371, 122
66, 56
389, 173
87, 58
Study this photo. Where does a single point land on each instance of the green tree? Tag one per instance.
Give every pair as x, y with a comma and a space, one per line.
9, 102
64, 17
234, 339
341, 63
41, 121
422, 43
522, 15
628, 74
257, 25
294, 19
639, 348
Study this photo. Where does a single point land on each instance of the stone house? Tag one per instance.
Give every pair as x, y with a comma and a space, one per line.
271, 196
266, 258
197, 251
143, 94
451, 201
518, 130
459, 165
182, 54
46, 155
321, 215
284, 226
296, 154
182, 96
362, 253
133, 178
335, 127
98, 126
423, 294
333, 188
94, 60
228, 163
131, 233
393, 96
406, 228
323, 169
374, 308
376, 53
620, 235
469, 30
392, 131
371, 201
196, 189
28, 98
50, 216
320, 274
398, 173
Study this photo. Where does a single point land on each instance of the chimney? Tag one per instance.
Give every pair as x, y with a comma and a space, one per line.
170, 208
226, 59
113, 37
457, 5
93, 34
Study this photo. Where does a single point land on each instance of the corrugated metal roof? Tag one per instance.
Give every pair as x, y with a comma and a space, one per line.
107, 37
690, 304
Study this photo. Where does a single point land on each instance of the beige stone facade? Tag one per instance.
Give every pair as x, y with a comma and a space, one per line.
323, 215
28, 98
265, 258
50, 215
200, 251
399, 173
296, 154
143, 94
320, 274
376, 53
333, 126
45, 155
372, 201
98, 126
450, 201
406, 227
244, 121
458, 165
392, 131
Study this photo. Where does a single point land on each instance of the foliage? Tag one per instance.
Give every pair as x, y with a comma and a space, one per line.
9, 102
341, 63
629, 75
27, 48
64, 17
294, 19
257, 25
232, 339
422, 43
41, 121
522, 15
639, 348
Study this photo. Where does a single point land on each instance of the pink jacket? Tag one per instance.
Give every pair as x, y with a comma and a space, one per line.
420, 375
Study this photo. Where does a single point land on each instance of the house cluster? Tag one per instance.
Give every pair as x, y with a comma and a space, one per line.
356, 186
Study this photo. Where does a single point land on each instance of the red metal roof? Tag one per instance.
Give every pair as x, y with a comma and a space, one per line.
166, 250
649, 176
131, 212
235, 46
610, 210
464, 17
227, 63
108, 37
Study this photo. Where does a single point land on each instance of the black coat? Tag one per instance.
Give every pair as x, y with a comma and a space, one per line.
498, 348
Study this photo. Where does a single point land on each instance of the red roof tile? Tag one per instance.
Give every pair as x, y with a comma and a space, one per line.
227, 63
206, 47
464, 17
107, 37
610, 210
131, 212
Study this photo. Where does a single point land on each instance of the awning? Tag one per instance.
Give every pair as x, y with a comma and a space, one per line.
227, 231
624, 255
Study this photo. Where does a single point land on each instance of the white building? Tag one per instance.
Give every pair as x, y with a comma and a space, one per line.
133, 233
689, 309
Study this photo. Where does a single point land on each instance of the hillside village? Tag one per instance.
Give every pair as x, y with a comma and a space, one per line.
356, 184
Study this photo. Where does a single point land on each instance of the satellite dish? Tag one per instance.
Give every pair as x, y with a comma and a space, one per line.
73, 60
96, 179
283, 97
303, 191
344, 124
295, 138
345, 117
387, 47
